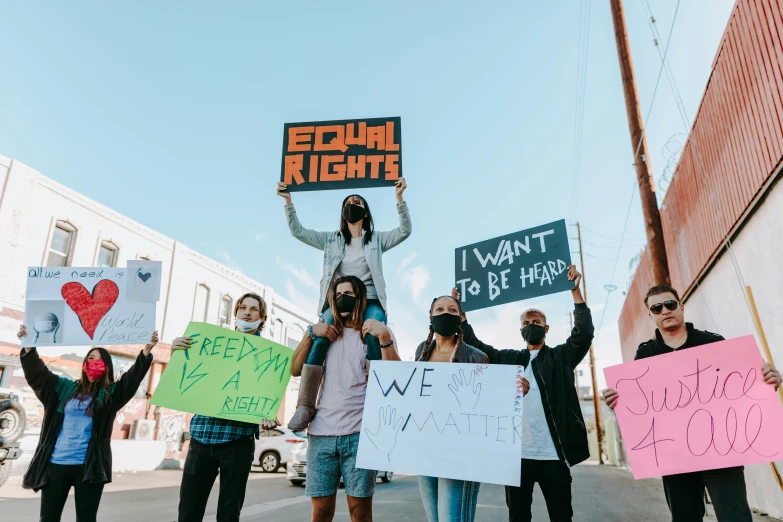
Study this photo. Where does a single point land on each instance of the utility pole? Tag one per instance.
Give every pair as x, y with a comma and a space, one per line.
652, 218
596, 404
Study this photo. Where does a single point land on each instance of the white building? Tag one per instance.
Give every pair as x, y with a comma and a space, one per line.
43, 223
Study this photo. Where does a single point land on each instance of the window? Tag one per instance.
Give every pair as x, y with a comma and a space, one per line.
294, 336
225, 310
201, 305
62, 245
107, 255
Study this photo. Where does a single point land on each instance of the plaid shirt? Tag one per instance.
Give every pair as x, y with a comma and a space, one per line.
211, 430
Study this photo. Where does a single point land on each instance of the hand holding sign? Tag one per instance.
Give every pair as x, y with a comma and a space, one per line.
771, 375
399, 188
282, 191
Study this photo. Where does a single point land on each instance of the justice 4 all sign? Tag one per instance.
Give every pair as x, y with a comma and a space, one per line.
702, 408
525, 264
342, 154
91, 305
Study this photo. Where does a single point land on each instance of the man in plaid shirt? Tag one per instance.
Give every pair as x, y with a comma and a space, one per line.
221, 445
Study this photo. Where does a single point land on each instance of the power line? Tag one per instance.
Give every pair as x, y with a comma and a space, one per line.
579, 109
638, 147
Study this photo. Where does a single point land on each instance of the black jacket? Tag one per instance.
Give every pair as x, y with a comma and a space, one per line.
554, 372
656, 346
53, 392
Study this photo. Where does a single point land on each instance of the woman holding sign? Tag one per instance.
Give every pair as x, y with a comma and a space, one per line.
353, 250
447, 500
74, 448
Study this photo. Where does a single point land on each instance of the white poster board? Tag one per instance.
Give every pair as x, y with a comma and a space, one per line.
448, 420
84, 306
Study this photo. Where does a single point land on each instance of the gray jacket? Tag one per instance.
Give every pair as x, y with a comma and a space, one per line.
333, 245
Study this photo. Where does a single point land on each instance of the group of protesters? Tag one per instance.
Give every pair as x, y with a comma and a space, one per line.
333, 361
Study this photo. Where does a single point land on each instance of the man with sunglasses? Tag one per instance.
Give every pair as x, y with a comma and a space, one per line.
685, 491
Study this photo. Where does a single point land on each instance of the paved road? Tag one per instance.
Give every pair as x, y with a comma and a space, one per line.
600, 494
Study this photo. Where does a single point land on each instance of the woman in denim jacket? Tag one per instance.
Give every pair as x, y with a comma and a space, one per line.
353, 250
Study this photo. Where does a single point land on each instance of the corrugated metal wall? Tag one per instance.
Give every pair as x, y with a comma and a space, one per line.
735, 145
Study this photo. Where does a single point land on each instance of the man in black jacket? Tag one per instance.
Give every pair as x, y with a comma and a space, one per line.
685, 491
553, 429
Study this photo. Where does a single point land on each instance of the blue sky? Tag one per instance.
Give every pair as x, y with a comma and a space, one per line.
172, 113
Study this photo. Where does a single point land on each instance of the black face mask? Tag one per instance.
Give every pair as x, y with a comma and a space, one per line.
533, 333
345, 303
354, 213
446, 324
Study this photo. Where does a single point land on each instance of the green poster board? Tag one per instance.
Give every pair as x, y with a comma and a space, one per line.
226, 374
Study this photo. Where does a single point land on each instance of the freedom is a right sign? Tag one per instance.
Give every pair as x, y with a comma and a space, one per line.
702, 408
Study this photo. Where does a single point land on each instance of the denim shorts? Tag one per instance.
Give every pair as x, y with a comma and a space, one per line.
330, 457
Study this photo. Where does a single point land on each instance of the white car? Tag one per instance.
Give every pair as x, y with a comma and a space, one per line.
296, 471
274, 447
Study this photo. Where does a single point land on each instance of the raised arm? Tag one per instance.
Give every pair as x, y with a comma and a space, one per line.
126, 387
578, 343
314, 238
391, 238
38, 376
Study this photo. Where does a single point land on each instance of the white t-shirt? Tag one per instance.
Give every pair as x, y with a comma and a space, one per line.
355, 263
537, 443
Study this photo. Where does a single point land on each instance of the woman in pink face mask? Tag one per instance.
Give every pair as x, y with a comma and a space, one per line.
74, 449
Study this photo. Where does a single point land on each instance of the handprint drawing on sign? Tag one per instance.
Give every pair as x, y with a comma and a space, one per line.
385, 437
467, 390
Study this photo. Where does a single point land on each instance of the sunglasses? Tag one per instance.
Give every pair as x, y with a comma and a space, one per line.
670, 305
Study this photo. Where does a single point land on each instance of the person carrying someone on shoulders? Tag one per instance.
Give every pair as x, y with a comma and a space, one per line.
333, 435
554, 437
221, 445
685, 491
448, 500
353, 250
74, 448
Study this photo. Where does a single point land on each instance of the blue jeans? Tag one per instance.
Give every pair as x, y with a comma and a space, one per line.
330, 457
447, 500
321, 344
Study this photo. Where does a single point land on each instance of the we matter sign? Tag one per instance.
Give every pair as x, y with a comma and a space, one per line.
525, 264
457, 421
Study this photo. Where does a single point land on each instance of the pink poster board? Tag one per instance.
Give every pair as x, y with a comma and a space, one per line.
702, 408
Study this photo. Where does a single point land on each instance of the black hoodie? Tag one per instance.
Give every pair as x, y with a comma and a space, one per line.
554, 372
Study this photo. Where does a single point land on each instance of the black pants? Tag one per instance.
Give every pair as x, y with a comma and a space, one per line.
685, 495
55, 493
554, 479
233, 460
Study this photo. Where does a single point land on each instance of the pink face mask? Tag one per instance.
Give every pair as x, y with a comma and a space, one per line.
94, 368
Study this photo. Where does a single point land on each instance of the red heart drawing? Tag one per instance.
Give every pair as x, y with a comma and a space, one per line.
90, 308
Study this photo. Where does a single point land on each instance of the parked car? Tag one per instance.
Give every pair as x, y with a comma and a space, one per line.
12, 424
274, 447
296, 471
